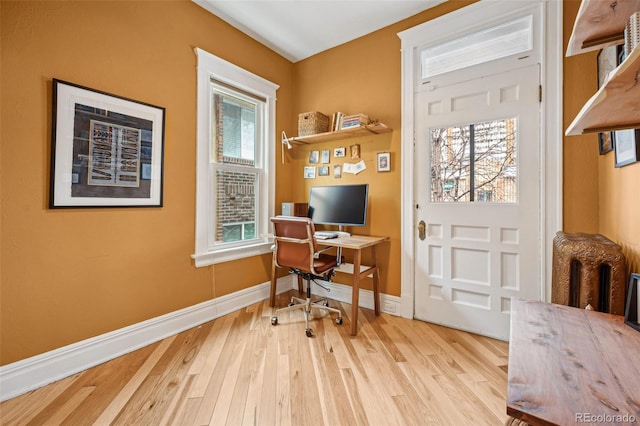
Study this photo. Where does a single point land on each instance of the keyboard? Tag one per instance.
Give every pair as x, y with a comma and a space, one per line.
325, 235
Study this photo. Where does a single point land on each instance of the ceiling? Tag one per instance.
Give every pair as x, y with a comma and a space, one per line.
297, 29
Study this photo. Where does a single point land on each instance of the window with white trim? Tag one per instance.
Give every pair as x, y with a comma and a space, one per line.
235, 188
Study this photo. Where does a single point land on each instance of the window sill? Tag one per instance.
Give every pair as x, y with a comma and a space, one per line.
235, 253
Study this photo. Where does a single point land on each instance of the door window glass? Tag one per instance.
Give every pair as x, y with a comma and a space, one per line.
490, 177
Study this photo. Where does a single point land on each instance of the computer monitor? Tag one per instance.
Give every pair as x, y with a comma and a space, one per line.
342, 205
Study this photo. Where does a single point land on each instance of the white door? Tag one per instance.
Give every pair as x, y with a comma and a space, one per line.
482, 217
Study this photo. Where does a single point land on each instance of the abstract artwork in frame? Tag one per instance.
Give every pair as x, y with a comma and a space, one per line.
106, 150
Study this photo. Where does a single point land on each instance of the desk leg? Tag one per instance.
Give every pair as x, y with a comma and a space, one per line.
376, 280
272, 296
357, 257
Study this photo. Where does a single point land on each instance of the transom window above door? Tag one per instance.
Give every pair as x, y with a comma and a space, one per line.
510, 38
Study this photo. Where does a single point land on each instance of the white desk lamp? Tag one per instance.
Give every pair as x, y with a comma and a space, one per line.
285, 141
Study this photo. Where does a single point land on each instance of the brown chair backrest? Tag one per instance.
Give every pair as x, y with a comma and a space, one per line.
295, 244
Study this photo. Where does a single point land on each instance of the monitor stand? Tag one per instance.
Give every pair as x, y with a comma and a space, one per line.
341, 232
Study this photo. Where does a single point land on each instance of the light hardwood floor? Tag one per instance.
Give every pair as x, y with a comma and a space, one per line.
241, 370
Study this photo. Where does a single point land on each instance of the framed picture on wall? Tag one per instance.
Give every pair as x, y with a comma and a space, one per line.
355, 151
309, 172
608, 59
325, 156
106, 150
384, 161
605, 142
627, 150
633, 303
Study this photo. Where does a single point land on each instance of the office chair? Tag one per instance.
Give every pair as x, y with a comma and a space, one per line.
296, 249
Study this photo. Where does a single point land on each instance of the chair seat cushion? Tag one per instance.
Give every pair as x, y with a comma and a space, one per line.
324, 262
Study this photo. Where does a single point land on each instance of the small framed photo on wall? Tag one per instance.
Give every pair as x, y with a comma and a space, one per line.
314, 156
309, 172
323, 171
339, 152
384, 162
355, 151
337, 171
605, 142
325, 156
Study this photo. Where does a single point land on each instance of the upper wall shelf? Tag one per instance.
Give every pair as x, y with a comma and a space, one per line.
363, 130
616, 105
600, 23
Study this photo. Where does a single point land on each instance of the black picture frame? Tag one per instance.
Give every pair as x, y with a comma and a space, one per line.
633, 302
606, 140
106, 150
626, 147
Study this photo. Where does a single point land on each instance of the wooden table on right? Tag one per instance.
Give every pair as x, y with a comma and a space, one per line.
571, 366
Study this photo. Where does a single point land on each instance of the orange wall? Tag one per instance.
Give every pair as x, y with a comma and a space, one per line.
362, 76
580, 163
598, 197
67, 275
70, 274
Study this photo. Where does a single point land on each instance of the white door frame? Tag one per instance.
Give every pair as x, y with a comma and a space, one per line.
551, 134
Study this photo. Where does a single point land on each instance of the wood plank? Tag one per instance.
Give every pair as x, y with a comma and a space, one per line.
153, 397
600, 23
364, 130
106, 381
60, 415
240, 369
18, 411
615, 105
566, 361
124, 396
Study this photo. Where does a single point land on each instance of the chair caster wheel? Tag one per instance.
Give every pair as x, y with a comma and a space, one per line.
291, 304
339, 320
326, 303
309, 332
274, 320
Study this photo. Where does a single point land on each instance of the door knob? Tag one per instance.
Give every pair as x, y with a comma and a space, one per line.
422, 230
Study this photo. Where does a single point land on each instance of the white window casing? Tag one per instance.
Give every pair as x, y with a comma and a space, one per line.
211, 68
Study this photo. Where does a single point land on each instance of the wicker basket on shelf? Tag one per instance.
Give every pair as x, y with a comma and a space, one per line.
312, 123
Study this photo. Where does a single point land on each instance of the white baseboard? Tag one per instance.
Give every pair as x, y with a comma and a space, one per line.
342, 293
40, 370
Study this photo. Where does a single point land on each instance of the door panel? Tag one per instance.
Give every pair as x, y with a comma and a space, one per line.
479, 196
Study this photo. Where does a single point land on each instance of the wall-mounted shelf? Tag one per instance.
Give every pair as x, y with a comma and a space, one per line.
599, 24
616, 105
363, 130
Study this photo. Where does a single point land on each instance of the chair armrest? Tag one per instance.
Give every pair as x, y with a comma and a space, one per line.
324, 249
292, 240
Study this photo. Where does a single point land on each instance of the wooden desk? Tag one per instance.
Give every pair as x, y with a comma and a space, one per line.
571, 366
357, 243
